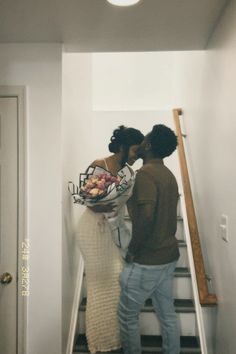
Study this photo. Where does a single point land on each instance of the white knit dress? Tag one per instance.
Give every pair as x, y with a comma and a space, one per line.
103, 265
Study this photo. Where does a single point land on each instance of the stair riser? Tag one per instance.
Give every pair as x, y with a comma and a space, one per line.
180, 230
183, 259
182, 288
149, 324
179, 211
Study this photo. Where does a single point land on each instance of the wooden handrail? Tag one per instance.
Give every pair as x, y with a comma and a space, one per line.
205, 298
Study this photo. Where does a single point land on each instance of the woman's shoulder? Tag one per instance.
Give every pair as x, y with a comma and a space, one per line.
99, 163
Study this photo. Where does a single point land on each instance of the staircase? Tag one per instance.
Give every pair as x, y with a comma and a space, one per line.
149, 325
190, 282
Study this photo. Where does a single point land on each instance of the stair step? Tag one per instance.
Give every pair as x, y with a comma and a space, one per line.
183, 259
150, 344
182, 286
182, 272
179, 272
181, 305
127, 218
148, 321
182, 243
180, 229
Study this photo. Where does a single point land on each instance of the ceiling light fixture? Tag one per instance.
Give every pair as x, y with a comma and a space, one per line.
123, 2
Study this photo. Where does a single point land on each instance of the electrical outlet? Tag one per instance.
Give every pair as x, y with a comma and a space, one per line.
224, 228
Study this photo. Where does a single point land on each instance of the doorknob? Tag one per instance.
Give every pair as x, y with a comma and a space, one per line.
6, 278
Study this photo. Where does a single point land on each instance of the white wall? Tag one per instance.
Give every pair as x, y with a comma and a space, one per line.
89, 82
138, 89
133, 81
208, 98
135, 89
203, 84
156, 81
77, 154
38, 67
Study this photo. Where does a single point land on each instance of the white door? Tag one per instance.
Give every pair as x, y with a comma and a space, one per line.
8, 224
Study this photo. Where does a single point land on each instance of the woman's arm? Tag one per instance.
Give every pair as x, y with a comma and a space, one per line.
108, 208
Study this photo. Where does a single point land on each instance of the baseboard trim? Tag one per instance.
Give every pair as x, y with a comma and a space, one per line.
75, 307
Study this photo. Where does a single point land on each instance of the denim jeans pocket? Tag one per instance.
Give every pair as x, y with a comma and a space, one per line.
147, 281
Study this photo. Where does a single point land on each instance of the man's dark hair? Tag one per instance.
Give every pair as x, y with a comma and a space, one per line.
163, 141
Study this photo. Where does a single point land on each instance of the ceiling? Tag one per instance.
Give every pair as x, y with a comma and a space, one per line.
97, 26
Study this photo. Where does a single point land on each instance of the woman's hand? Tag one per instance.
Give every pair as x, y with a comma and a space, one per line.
106, 208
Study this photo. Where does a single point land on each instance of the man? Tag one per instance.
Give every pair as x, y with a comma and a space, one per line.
153, 250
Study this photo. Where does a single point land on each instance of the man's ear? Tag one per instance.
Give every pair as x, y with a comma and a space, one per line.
147, 146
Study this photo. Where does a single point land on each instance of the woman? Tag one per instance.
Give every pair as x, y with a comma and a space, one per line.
103, 262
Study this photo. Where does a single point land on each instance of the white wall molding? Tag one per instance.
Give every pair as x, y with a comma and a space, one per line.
75, 306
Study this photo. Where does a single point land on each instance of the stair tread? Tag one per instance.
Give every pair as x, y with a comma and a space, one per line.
179, 272
182, 272
182, 243
127, 218
189, 344
181, 305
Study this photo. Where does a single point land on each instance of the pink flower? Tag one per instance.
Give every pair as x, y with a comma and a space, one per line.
97, 185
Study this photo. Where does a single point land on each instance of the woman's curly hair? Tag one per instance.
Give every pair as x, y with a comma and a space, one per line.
124, 137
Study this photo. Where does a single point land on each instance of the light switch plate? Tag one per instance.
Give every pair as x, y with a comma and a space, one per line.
224, 228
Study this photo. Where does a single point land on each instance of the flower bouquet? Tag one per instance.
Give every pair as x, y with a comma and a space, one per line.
98, 186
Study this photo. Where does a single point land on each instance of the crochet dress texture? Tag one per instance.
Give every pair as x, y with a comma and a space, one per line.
103, 265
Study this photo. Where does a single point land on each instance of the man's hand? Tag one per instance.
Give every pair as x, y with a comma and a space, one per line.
106, 208
129, 257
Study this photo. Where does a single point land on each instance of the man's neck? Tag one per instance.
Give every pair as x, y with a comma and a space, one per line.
151, 159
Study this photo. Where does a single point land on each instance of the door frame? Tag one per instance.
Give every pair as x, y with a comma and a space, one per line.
19, 92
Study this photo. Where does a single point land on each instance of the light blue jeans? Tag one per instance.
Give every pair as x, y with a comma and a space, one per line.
138, 283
